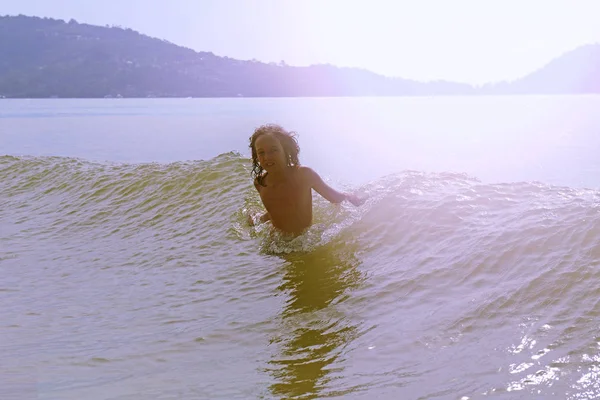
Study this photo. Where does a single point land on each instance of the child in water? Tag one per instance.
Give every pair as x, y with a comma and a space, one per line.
284, 186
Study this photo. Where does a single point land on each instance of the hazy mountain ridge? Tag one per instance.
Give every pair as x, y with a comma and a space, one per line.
43, 57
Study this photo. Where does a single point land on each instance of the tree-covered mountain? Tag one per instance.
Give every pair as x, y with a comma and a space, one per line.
43, 57
577, 71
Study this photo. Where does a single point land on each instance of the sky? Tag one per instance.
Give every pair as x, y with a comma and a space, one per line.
470, 41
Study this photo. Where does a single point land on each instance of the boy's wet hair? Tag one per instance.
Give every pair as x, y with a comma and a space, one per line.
288, 142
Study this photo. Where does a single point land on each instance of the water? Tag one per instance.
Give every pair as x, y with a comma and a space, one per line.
473, 270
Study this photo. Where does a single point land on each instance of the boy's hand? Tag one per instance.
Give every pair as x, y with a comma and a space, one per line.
355, 200
260, 220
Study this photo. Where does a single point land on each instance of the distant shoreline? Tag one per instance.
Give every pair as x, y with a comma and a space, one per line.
69, 60
309, 97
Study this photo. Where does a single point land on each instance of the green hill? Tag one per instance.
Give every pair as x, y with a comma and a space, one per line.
42, 57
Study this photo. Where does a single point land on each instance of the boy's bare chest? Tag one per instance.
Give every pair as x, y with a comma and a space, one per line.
285, 194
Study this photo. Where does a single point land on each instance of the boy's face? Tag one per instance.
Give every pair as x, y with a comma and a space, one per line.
270, 153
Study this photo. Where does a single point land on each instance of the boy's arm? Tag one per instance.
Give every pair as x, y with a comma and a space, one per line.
327, 191
263, 218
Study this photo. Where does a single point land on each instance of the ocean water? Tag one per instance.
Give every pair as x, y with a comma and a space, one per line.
127, 270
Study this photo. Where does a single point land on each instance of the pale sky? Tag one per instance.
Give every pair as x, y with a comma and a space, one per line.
473, 41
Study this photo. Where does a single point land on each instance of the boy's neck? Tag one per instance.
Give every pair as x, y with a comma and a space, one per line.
280, 175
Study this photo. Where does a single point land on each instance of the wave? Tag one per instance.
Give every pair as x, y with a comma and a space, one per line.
476, 259
404, 210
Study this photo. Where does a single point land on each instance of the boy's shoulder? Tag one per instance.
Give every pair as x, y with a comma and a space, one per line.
303, 169
259, 181
307, 172
309, 176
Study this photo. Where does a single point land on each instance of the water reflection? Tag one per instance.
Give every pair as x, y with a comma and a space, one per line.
314, 329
